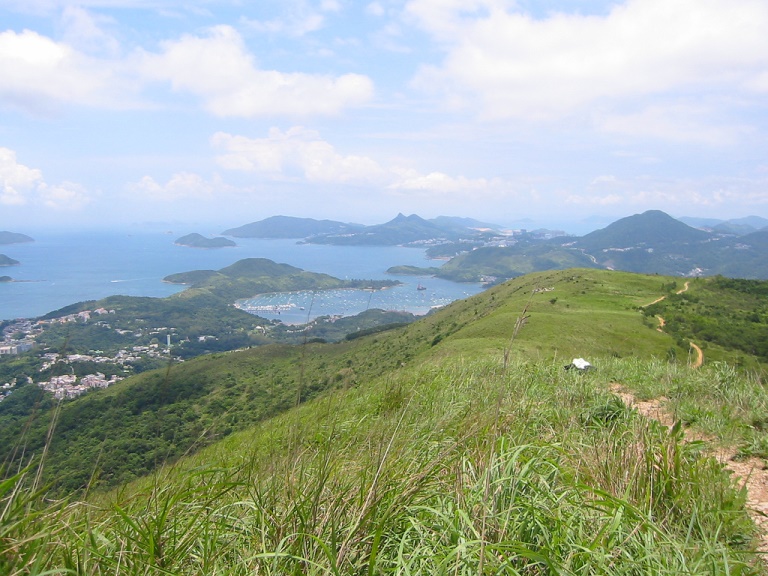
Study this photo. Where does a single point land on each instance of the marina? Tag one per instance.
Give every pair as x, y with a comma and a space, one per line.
59, 269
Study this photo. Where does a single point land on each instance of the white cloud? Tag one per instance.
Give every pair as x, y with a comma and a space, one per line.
218, 68
38, 74
180, 186
439, 183
301, 155
21, 185
735, 196
84, 31
16, 180
375, 9
506, 64
300, 18
295, 153
675, 123
65, 196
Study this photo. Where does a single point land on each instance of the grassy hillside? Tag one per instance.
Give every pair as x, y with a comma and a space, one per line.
157, 416
454, 445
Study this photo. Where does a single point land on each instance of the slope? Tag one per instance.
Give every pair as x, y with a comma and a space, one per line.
157, 416
454, 445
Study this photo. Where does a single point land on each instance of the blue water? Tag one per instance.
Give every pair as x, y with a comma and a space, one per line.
61, 269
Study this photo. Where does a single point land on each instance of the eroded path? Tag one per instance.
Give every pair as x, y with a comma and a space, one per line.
750, 473
699, 353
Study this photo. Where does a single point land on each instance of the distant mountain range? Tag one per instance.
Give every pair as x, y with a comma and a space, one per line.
652, 242
737, 226
401, 230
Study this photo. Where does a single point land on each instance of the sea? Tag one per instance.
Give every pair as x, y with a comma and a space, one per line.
59, 269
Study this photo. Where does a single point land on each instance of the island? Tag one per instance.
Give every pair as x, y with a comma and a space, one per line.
251, 276
6, 261
14, 237
196, 240
6, 279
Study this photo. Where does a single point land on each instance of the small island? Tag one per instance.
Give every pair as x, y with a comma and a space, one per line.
5, 279
6, 261
196, 240
14, 237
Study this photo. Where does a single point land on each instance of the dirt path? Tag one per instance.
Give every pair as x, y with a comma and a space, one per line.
699, 353
699, 356
660, 298
750, 473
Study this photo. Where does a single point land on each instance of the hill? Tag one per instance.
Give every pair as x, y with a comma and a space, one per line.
196, 240
652, 229
648, 243
400, 230
289, 227
250, 276
7, 261
588, 313
457, 444
14, 237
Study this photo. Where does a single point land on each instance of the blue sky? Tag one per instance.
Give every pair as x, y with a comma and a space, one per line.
222, 112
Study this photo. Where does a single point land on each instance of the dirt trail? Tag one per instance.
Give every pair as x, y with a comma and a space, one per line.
699, 356
660, 298
699, 353
750, 473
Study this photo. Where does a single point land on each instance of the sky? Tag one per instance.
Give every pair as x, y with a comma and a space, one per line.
224, 112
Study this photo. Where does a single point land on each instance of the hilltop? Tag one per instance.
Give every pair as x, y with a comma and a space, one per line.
455, 443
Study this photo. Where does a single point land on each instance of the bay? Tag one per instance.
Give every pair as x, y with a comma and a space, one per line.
59, 269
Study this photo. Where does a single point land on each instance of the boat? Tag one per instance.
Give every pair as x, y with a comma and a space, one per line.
420, 287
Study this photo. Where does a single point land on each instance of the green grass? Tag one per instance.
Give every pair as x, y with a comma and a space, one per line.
425, 452
461, 468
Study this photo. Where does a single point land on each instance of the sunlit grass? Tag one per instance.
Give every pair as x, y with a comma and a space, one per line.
459, 468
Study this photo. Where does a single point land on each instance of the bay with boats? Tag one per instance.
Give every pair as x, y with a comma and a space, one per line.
59, 269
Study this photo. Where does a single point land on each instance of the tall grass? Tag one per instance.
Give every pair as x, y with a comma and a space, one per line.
461, 468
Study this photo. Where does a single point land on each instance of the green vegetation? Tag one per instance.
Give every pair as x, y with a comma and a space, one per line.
401, 230
720, 313
412, 271
511, 262
196, 240
251, 276
648, 243
457, 444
